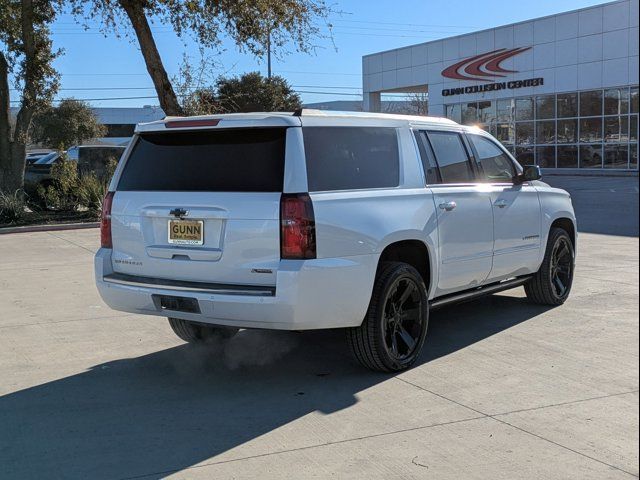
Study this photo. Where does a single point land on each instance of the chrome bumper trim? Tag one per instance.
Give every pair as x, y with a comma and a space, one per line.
185, 286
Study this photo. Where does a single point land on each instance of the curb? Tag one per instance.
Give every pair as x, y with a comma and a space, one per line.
49, 228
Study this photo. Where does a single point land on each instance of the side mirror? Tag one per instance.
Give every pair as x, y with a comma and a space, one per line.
530, 173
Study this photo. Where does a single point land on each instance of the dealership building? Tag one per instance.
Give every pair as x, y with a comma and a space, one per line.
559, 91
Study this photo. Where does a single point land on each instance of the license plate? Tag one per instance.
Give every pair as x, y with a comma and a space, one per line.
186, 232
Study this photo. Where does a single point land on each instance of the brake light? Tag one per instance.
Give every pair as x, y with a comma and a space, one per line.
105, 221
206, 122
297, 227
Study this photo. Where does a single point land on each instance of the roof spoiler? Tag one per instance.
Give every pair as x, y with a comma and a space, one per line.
306, 111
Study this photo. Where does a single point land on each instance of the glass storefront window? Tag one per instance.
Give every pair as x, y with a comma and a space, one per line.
545, 107
469, 113
567, 156
567, 105
525, 134
567, 131
546, 131
489, 128
505, 133
616, 156
505, 110
546, 157
591, 103
633, 128
624, 100
525, 155
591, 156
591, 130
487, 112
615, 102
524, 109
454, 112
616, 129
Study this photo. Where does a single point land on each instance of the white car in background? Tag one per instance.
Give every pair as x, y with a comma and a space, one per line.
318, 220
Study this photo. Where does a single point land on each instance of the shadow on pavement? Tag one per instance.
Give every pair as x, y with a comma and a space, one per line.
163, 412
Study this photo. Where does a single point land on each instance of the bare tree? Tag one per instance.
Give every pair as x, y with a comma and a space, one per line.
419, 103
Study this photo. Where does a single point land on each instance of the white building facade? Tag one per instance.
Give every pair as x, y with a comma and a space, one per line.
121, 121
559, 91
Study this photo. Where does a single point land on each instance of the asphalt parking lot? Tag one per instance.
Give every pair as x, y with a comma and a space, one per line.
503, 390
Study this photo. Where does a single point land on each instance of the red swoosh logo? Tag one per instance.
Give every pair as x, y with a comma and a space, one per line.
482, 67
494, 65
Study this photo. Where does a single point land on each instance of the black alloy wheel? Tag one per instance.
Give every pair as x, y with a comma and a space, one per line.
561, 267
393, 331
403, 319
551, 285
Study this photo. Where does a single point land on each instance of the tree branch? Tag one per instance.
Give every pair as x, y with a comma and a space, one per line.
166, 95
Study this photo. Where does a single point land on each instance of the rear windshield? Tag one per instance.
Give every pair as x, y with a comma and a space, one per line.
238, 160
350, 158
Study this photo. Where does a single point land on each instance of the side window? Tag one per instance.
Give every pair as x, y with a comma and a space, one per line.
428, 160
349, 158
452, 158
494, 163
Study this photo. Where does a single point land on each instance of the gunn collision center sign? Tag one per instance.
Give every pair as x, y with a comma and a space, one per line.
486, 67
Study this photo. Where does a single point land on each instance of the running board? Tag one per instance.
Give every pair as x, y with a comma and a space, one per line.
477, 292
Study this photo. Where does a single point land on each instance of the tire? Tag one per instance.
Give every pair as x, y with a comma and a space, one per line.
551, 285
381, 342
198, 333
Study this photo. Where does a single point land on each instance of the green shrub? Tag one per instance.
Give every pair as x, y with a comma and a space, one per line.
12, 206
61, 194
71, 189
91, 191
92, 186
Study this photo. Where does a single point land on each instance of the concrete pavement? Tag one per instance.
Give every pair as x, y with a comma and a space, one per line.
504, 389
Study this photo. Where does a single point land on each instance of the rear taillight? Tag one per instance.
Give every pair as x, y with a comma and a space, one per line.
297, 227
105, 221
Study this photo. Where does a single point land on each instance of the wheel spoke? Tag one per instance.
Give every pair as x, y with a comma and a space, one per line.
406, 293
394, 344
408, 340
564, 251
561, 288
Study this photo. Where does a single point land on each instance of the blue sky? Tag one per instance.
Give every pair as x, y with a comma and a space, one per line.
113, 67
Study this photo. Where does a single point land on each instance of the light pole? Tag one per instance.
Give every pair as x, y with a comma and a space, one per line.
269, 53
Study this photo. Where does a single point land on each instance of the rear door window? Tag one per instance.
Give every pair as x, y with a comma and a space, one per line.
349, 158
495, 164
432, 175
452, 158
238, 160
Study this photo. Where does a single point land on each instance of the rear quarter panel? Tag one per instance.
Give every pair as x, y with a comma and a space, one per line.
364, 222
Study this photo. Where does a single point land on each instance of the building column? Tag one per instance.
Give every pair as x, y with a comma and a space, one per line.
372, 102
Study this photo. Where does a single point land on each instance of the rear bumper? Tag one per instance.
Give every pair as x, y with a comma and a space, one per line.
310, 294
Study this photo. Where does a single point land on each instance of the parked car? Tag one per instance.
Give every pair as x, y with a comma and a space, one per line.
90, 158
94, 158
39, 172
33, 157
326, 220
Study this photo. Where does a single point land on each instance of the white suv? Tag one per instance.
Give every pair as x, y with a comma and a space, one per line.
319, 220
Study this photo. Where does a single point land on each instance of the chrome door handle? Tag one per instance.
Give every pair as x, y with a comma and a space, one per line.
448, 206
500, 204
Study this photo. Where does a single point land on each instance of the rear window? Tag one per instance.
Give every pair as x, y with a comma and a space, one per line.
238, 160
348, 158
